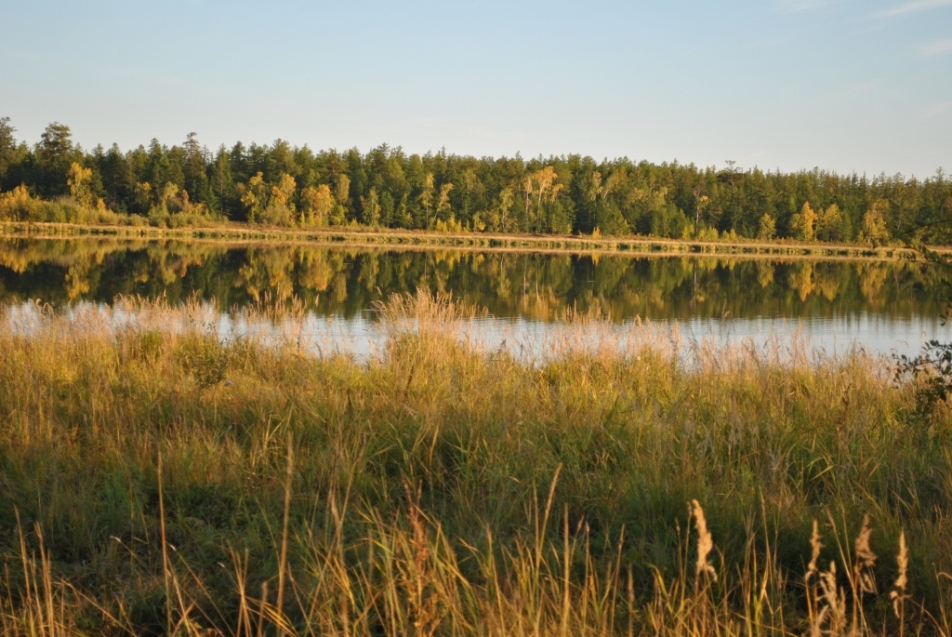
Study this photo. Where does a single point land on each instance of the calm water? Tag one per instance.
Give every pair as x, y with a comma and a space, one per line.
884, 307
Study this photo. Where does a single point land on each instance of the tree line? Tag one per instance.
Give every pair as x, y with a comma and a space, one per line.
285, 185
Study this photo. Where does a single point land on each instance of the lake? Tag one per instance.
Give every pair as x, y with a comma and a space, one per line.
883, 306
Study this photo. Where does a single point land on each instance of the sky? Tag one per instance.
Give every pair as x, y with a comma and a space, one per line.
846, 85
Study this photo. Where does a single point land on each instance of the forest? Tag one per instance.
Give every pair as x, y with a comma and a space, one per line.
57, 180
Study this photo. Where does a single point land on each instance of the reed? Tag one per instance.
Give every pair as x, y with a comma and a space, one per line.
159, 480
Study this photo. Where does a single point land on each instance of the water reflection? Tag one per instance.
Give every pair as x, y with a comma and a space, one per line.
345, 282
882, 304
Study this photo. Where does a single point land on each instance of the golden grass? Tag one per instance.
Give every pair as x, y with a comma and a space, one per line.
159, 481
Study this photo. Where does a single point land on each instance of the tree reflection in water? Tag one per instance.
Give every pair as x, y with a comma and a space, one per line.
345, 282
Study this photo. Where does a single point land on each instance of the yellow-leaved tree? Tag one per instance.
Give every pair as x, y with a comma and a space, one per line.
768, 227
183, 205
167, 196
370, 208
17, 204
253, 196
426, 197
279, 210
874, 231
317, 204
506, 199
539, 188
446, 221
828, 224
804, 223
443, 203
78, 179
269, 203
339, 217
283, 191
170, 200
143, 196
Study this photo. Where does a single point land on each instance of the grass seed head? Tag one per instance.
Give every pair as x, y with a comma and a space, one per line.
816, 546
705, 544
898, 594
865, 559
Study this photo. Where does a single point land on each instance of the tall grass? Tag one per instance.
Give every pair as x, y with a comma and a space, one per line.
159, 481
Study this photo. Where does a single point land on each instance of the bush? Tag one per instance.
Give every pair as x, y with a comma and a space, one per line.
17, 204
930, 374
277, 215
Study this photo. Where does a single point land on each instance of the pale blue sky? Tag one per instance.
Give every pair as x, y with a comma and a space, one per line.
847, 85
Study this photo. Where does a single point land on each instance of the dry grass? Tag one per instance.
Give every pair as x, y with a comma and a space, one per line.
159, 481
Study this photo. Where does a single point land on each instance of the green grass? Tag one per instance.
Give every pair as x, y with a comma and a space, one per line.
156, 481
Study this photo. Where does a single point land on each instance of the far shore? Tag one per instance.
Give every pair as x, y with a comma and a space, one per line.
238, 233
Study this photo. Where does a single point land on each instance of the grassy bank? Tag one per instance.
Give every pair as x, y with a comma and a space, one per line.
235, 232
156, 480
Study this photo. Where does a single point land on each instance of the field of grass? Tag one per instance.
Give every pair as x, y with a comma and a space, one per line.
158, 481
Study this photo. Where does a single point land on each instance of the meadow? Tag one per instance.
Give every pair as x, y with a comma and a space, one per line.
159, 480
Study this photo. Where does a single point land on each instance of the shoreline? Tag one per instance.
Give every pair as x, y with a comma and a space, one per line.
238, 234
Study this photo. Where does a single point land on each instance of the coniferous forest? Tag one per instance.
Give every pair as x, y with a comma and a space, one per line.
284, 185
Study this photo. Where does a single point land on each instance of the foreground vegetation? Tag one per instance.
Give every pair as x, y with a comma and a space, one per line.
280, 185
157, 480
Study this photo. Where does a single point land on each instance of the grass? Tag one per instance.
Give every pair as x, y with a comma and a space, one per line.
159, 481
